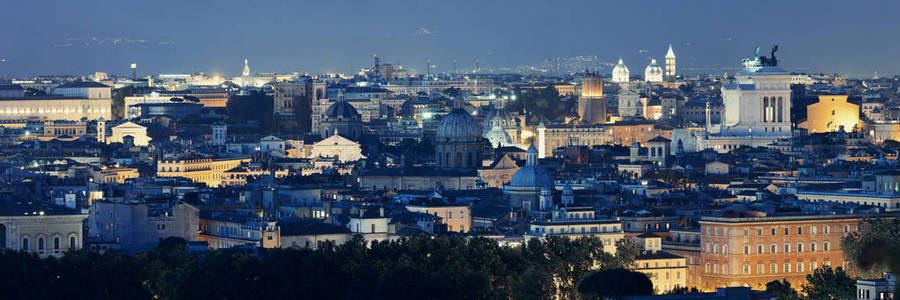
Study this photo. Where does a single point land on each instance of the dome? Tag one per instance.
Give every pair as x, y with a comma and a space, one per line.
342, 110
531, 175
499, 118
458, 124
653, 72
620, 72
498, 127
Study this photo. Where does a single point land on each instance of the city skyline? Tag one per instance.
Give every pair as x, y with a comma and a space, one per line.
169, 37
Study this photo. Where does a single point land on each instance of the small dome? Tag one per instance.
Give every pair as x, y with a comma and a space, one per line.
531, 176
458, 124
342, 110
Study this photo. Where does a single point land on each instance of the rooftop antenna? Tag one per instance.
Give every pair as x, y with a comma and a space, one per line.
476, 65
454, 67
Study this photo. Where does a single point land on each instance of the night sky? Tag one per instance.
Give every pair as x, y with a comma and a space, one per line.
855, 38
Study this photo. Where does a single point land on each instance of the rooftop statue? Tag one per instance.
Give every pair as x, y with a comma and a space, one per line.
770, 61
756, 62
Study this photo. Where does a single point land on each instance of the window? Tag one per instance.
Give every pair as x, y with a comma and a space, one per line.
746, 249
813, 266
787, 248
725, 249
773, 231
55, 243
72, 242
715, 269
449, 215
706, 269
787, 231
716, 248
759, 249
25, 244
373, 228
826, 229
826, 246
800, 267
799, 230
799, 247
773, 249
813, 230
759, 231
812, 247
773, 268
846, 228
41, 244
760, 268
746, 232
787, 268
746, 269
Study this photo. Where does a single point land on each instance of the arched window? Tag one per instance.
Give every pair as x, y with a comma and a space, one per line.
55, 243
41, 244
26, 245
72, 242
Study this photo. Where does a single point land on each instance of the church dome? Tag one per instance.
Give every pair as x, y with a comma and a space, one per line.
531, 175
458, 124
499, 118
653, 72
620, 72
499, 125
342, 110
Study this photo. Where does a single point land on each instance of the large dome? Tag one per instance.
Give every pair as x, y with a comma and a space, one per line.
342, 110
653, 72
458, 124
498, 118
531, 175
620, 72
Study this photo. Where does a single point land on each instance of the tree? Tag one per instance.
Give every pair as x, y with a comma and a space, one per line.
782, 290
826, 283
616, 283
874, 248
683, 290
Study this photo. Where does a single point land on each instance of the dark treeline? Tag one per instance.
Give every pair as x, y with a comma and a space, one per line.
414, 268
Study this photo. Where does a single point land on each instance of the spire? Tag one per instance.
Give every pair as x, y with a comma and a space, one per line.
246, 71
670, 53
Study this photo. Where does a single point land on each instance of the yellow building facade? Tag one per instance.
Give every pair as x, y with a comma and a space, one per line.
831, 113
208, 171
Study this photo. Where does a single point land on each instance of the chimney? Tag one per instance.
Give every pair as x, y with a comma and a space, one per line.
381, 211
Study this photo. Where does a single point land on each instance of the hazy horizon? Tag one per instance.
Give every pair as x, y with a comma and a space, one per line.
76, 38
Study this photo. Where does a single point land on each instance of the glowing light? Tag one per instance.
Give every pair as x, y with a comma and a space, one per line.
526, 134
427, 115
